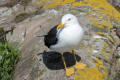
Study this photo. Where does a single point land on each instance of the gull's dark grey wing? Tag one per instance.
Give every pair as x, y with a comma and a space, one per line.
50, 38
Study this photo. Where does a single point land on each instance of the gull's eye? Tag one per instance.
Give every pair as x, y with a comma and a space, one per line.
69, 19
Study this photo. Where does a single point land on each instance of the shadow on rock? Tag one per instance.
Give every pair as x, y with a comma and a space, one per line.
53, 60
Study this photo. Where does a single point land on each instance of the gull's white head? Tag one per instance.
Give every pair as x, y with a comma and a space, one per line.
68, 19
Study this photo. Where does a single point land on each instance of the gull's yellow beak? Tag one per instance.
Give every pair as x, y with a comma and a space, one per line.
60, 26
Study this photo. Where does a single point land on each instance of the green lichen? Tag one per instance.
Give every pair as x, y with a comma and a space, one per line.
20, 17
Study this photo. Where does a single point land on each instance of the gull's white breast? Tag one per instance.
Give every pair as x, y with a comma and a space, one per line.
69, 38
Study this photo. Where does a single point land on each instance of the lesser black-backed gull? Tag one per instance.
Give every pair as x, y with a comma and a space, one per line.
66, 37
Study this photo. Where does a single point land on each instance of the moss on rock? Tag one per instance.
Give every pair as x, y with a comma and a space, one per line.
20, 17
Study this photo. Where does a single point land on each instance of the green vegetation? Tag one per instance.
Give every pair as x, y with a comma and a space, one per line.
2, 38
9, 57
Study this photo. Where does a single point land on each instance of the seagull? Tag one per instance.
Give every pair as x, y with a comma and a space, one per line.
66, 37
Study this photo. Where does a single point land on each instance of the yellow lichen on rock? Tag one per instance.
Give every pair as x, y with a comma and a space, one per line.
104, 9
101, 23
106, 49
92, 73
99, 7
55, 3
105, 35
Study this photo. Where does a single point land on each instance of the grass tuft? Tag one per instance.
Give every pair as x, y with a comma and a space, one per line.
9, 56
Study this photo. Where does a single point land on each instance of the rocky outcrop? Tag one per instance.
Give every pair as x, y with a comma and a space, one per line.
99, 49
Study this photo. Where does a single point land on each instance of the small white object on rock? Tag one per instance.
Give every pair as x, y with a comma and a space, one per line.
95, 51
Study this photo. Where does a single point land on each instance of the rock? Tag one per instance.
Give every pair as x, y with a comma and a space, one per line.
26, 34
7, 3
33, 66
20, 17
24, 2
5, 12
97, 49
115, 3
6, 15
118, 33
30, 9
18, 9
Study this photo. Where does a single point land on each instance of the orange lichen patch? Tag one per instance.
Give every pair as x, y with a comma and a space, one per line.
92, 73
105, 35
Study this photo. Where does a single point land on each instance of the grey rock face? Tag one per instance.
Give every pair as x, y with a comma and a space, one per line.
38, 62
